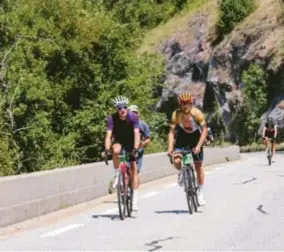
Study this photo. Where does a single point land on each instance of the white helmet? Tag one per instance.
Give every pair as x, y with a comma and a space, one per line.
134, 108
120, 101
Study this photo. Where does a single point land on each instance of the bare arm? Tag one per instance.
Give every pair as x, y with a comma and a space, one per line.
263, 132
203, 136
108, 139
145, 142
171, 137
275, 131
136, 138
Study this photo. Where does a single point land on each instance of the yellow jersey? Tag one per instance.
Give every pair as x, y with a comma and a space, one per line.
195, 118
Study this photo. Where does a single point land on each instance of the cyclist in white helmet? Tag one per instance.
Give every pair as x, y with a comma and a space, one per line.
123, 129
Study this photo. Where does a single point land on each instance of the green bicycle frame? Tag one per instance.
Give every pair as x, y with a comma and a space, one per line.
122, 158
187, 159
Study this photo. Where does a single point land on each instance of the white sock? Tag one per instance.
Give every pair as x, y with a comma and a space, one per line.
135, 193
200, 187
116, 172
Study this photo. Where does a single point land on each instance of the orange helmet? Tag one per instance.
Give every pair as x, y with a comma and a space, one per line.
185, 98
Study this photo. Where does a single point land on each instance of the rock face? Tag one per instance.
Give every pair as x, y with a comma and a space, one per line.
187, 66
214, 72
276, 111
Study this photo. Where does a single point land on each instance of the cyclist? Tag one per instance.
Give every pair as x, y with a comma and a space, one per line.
145, 137
188, 130
269, 131
123, 129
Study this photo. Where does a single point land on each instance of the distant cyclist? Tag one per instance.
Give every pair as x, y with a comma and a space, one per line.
145, 136
123, 133
270, 131
188, 130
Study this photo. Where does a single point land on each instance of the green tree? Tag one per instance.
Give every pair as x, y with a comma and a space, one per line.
255, 94
61, 63
231, 12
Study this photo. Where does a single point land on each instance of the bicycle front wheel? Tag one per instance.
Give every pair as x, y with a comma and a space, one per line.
187, 189
129, 201
121, 195
269, 156
194, 187
129, 194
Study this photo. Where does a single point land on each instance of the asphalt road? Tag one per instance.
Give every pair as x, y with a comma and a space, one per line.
244, 211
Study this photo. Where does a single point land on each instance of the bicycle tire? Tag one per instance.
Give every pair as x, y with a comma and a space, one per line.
269, 156
187, 188
129, 194
194, 191
129, 202
121, 199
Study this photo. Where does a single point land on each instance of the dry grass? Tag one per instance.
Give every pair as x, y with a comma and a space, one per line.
179, 22
265, 25
260, 147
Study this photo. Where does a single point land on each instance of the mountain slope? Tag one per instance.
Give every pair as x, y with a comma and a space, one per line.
212, 71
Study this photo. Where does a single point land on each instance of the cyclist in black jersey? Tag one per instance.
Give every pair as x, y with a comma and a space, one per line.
270, 131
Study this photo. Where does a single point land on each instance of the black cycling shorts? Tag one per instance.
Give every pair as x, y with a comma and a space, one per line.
186, 140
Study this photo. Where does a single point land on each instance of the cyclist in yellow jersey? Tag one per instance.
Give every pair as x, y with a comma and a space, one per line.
188, 130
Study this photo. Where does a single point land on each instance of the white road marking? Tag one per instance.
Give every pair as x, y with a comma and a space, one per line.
225, 166
218, 168
171, 185
230, 165
150, 194
62, 230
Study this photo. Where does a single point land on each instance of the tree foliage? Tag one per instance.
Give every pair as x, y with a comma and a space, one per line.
231, 12
255, 94
61, 63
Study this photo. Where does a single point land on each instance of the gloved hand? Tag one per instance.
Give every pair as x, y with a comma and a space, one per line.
140, 152
106, 154
134, 154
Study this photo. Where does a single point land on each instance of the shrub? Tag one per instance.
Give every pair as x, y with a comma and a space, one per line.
231, 12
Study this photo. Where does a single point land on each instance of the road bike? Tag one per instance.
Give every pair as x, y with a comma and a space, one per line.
190, 185
123, 187
269, 149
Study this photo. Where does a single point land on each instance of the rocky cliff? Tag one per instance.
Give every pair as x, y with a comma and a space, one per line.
212, 69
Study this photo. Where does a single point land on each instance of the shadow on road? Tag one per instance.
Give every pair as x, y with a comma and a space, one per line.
260, 209
110, 216
155, 244
175, 212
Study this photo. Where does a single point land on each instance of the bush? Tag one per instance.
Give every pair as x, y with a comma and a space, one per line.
58, 78
255, 94
231, 12
254, 147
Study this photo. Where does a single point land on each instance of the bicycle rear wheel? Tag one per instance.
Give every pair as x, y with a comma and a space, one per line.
187, 189
121, 195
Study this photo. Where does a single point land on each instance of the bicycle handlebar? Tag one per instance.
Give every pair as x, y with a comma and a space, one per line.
187, 151
126, 153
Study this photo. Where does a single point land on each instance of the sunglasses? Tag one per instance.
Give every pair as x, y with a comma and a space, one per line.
122, 107
184, 103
